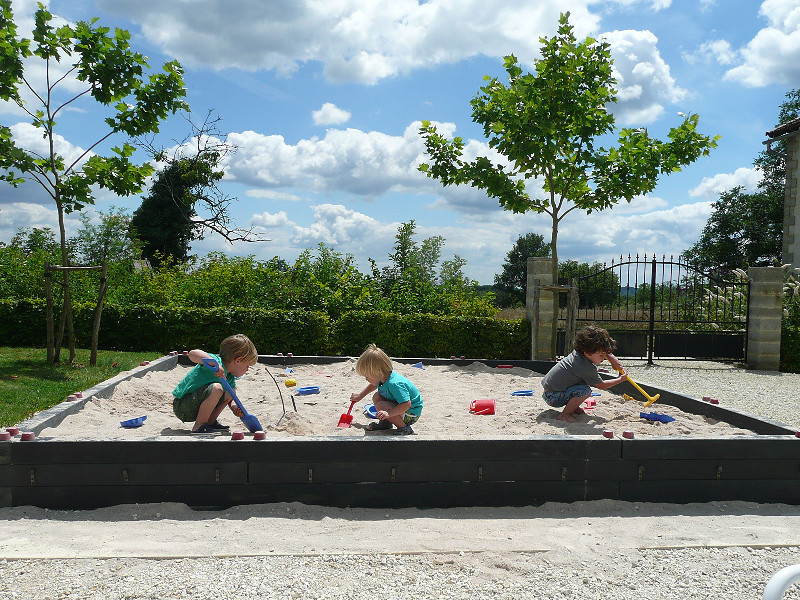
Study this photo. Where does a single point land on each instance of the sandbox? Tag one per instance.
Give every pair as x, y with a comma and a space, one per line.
82, 457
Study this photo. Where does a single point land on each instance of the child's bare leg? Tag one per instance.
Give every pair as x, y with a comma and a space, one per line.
381, 404
221, 404
208, 406
572, 407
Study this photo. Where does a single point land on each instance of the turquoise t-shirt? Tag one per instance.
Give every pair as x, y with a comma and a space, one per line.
199, 376
400, 389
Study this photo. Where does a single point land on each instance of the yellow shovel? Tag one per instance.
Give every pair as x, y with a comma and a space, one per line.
650, 399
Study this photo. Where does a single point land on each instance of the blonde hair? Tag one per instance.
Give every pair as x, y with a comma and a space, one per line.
238, 346
374, 363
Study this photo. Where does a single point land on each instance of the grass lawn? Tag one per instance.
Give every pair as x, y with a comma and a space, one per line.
29, 385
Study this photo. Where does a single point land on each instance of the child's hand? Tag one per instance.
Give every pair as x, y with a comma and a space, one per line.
235, 409
382, 415
354, 397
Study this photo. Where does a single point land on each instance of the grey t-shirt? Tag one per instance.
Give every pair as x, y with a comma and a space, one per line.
571, 370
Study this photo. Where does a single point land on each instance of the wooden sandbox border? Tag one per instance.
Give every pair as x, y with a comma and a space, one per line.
507, 471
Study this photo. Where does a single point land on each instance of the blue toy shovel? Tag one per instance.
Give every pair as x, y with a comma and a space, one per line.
250, 421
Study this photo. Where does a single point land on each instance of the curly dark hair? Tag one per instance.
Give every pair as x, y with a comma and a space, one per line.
593, 339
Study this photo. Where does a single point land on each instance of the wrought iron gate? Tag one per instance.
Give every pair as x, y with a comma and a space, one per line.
670, 308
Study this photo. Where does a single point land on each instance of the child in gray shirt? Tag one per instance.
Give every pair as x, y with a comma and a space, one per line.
567, 383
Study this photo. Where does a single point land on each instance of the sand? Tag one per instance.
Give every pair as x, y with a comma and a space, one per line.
448, 392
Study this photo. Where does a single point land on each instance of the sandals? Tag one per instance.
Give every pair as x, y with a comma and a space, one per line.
404, 430
205, 428
380, 425
219, 426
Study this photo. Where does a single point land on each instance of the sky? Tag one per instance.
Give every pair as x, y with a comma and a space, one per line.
323, 101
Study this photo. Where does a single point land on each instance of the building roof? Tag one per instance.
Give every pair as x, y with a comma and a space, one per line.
784, 128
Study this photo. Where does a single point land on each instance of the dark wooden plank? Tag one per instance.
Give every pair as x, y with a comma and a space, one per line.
74, 475
401, 470
311, 449
767, 491
755, 447
709, 469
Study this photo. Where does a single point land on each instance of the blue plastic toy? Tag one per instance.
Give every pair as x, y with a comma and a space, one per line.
656, 417
137, 422
309, 389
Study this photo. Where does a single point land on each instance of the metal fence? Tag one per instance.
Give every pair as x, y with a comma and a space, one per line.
669, 308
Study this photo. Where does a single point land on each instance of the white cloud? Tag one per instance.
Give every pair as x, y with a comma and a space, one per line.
719, 51
773, 55
265, 219
643, 78
712, 187
330, 114
654, 4
354, 40
272, 195
350, 160
15, 215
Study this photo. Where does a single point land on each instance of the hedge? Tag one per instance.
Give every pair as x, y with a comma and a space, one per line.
299, 332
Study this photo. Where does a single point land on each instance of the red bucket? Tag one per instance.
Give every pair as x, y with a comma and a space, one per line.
482, 407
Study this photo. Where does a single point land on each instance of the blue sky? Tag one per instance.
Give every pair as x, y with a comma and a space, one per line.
324, 100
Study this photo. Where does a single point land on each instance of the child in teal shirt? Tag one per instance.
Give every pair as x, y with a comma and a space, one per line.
200, 397
397, 400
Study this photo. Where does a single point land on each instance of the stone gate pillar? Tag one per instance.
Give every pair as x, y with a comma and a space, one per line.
789, 134
766, 314
540, 273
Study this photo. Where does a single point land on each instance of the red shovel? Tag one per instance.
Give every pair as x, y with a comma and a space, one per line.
345, 420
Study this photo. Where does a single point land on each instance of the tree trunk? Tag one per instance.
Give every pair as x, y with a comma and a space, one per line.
554, 252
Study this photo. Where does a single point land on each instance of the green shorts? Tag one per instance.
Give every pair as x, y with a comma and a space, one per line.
187, 407
410, 419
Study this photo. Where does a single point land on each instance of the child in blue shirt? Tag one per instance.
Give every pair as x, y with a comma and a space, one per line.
397, 401
200, 397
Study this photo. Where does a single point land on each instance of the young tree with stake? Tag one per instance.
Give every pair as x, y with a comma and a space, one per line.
80, 61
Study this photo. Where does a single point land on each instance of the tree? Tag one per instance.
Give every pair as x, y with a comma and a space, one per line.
746, 229
107, 241
512, 282
413, 262
547, 127
600, 287
168, 219
79, 62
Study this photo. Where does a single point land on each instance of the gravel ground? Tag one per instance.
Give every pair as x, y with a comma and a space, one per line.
585, 567
768, 394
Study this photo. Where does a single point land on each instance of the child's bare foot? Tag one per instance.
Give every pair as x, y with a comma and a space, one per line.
579, 411
567, 417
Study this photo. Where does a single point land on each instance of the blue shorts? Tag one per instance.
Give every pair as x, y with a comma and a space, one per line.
559, 399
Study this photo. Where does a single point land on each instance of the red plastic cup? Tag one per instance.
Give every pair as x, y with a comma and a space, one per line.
628, 435
482, 407
607, 433
13, 430
289, 354
714, 401
706, 398
27, 436
237, 435
78, 395
463, 358
259, 435
5, 436
505, 366
144, 363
